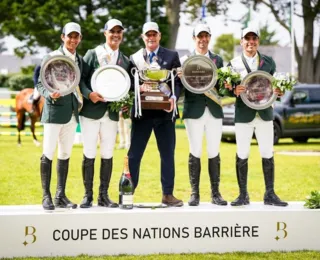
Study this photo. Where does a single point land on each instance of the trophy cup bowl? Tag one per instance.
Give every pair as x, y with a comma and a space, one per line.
158, 96
259, 93
60, 74
154, 75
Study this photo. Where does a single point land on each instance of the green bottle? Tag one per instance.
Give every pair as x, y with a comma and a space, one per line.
126, 187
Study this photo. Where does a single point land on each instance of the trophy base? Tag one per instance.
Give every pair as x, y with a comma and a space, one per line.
154, 100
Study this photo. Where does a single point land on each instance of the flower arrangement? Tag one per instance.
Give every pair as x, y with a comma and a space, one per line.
127, 101
228, 75
283, 81
313, 201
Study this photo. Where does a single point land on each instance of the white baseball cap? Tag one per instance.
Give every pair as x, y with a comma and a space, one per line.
201, 28
71, 27
249, 30
150, 26
112, 23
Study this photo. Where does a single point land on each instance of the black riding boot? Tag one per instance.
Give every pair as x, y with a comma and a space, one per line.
214, 173
87, 176
194, 177
105, 177
270, 198
242, 176
61, 200
45, 172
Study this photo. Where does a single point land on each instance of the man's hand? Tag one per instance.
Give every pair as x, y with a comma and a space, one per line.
227, 86
55, 95
179, 72
171, 100
278, 92
239, 89
124, 109
95, 97
145, 87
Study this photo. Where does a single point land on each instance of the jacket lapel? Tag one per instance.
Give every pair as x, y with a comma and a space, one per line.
160, 56
213, 57
80, 65
120, 59
262, 62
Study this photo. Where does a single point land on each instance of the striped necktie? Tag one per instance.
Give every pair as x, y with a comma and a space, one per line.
151, 55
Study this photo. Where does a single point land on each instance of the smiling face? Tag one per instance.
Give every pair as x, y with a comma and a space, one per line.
202, 42
250, 44
71, 41
114, 37
151, 40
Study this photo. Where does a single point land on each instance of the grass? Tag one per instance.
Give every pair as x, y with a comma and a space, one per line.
305, 255
296, 176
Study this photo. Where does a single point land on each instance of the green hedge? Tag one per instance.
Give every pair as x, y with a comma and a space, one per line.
3, 81
20, 81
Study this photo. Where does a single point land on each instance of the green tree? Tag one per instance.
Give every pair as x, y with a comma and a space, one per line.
224, 46
266, 36
308, 63
40, 22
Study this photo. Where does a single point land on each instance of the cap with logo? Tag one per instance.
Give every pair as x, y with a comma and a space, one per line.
201, 28
71, 27
247, 30
150, 26
113, 23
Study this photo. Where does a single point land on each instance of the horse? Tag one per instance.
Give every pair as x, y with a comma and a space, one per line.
34, 111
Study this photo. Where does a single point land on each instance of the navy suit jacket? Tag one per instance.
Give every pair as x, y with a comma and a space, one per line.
167, 59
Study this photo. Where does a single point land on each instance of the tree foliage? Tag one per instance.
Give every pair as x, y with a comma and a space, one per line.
19, 81
266, 36
224, 46
40, 22
308, 63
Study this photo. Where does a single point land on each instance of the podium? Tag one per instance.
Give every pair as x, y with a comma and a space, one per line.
31, 231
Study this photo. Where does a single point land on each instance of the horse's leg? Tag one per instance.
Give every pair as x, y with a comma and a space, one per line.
19, 125
19, 138
32, 127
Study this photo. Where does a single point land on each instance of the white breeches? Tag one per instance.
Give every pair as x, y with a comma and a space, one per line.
36, 94
209, 125
124, 131
105, 129
264, 134
64, 134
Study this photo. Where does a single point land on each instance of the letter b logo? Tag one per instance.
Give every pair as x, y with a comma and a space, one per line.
282, 228
30, 236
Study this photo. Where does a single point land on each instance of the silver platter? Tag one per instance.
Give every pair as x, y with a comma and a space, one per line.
259, 93
112, 82
199, 74
60, 74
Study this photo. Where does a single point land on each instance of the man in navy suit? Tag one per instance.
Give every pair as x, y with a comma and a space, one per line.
162, 122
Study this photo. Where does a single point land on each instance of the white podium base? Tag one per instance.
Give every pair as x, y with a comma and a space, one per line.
31, 231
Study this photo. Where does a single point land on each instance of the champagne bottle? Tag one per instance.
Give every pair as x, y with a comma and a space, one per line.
125, 187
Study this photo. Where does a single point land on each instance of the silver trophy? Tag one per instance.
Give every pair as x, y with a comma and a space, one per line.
157, 96
112, 82
199, 76
259, 92
60, 74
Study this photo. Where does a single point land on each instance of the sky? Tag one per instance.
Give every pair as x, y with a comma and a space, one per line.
218, 27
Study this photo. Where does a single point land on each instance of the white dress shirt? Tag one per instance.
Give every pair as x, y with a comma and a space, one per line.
112, 54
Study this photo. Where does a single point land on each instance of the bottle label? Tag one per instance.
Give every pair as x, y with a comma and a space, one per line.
127, 199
